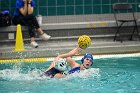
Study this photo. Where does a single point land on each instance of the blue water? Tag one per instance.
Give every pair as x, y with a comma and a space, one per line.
108, 75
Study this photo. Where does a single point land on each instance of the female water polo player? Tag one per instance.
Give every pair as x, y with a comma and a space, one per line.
61, 62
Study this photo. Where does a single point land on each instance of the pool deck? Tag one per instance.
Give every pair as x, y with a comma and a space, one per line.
57, 45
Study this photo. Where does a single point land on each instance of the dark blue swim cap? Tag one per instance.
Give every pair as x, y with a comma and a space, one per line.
87, 55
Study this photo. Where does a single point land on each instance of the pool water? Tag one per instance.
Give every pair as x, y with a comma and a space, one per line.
108, 75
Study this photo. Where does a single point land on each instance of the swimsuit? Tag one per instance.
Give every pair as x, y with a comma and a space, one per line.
76, 69
52, 72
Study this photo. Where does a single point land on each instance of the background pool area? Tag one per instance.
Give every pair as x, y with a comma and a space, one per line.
108, 75
116, 67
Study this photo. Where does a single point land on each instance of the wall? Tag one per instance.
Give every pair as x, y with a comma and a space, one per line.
70, 7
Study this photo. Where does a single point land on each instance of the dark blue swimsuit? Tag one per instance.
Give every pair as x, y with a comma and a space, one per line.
76, 69
53, 71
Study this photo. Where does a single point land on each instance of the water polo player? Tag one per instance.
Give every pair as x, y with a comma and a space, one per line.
61, 63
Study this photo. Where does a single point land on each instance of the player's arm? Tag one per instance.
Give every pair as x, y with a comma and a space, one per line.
72, 63
52, 65
73, 52
58, 75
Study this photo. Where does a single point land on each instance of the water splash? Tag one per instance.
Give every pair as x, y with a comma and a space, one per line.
9, 74
16, 74
86, 74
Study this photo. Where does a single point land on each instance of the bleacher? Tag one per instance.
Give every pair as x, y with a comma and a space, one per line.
65, 31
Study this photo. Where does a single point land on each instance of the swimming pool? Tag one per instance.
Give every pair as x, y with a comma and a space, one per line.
108, 75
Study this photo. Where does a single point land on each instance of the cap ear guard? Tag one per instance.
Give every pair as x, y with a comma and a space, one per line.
82, 60
92, 64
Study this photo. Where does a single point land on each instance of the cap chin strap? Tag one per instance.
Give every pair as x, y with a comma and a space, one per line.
84, 66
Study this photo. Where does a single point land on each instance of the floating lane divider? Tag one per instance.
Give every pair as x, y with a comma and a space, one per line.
41, 60
38, 60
